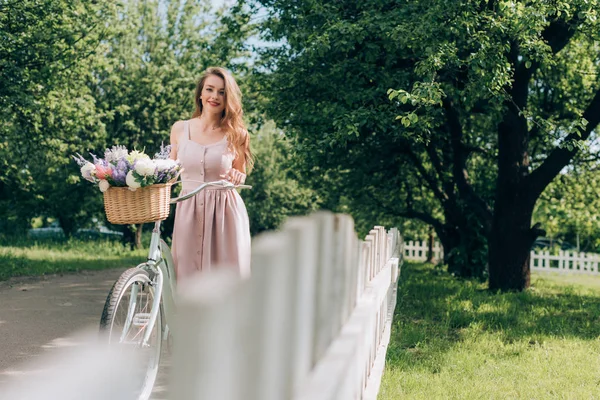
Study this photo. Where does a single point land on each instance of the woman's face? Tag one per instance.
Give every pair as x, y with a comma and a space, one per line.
213, 94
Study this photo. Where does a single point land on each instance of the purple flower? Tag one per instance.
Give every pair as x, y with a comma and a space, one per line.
80, 160
164, 153
115, 153
120, 172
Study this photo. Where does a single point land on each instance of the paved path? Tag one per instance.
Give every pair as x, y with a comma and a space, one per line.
39, 315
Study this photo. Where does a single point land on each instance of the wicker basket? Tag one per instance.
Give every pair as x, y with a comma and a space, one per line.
147, 204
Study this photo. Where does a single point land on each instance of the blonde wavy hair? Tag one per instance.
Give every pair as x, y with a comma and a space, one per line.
232, 118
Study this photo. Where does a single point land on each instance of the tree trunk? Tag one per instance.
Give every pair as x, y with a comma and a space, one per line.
511, 236
450, 241
67, 224
465, 245
430, 257
510, 244
128, 238
138, 236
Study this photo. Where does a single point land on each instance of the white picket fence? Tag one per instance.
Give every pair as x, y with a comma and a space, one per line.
312, 323
417, 251
564, 261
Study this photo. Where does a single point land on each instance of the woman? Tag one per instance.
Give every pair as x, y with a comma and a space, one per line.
212, 228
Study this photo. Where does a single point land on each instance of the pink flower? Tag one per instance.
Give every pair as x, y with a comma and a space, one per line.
103, 171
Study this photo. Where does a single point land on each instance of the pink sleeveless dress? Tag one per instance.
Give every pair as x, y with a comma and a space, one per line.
211, 229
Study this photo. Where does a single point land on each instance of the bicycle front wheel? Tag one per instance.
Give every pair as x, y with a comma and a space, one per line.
125, 320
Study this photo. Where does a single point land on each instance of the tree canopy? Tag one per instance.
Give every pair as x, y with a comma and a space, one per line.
455, 113
79, 77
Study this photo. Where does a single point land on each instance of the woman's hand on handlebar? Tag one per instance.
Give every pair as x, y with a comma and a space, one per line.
234, 176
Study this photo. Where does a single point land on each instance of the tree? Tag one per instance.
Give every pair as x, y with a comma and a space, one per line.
46, 110
568, 209
518, 69
340, 60
492, 100
277, 190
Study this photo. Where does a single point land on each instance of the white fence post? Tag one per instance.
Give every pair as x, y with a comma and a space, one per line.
272, 264
324, 282
304, 234
203, 334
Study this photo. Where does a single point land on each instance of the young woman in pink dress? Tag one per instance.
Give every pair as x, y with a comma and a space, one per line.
212, 228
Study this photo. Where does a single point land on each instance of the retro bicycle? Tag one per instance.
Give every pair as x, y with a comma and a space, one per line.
140, 306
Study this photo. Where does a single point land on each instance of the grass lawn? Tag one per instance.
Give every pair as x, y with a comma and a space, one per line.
22, 257
452, 339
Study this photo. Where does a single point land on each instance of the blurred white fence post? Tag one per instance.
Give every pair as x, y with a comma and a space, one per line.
312, 322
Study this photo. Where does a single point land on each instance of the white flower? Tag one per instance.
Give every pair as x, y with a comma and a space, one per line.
103, 185
131, 182
145, 167
115, 154
88, 171
164, 165
135, 155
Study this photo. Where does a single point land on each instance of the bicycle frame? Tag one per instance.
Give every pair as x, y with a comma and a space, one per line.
160, 264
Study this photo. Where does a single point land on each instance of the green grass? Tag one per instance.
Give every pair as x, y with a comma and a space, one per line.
25, 257
453, 339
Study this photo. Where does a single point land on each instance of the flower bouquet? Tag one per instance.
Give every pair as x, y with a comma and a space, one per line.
137, 189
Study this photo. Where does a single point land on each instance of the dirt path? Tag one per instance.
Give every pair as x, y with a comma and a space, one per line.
38, 315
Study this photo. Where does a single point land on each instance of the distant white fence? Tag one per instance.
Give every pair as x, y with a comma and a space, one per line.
565, 261
418, 251
312, 323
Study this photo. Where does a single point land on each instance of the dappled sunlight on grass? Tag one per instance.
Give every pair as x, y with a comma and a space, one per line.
454, 339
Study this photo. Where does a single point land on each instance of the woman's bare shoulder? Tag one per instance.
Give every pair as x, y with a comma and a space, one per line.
176, 130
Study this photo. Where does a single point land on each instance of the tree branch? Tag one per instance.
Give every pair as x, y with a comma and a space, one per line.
459, 165
421, 216
559, 157
435, 160
441, 196
408, 213
438, 165
557, 34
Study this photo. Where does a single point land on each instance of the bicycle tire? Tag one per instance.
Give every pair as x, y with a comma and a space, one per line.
117, 299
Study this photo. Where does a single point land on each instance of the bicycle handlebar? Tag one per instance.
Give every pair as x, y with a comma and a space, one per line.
204, 185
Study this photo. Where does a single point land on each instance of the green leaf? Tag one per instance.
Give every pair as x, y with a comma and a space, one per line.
569, 146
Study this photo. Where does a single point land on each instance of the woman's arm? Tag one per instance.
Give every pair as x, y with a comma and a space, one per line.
237, 175
176, 130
